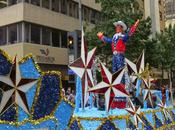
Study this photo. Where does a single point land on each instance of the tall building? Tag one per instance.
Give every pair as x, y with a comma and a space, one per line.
170, 12
155, 10
40, 27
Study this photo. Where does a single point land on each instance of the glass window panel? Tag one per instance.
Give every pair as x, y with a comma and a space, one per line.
12, 2
35, 34
35, 2
3, 35
12, 33
56, 38
46, 36
27, 33
64, 6
55, 5
20, 32
46, 4
64, 39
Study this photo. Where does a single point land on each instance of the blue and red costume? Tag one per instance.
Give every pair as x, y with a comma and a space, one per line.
118, 45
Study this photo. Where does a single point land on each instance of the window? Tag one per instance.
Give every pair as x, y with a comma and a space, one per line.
56, 5
35, 2
35, 34
55, 38
12, 33
46, 4
46, 36
92, 16
27, 32
75, 7
12, 2
64, 6
85, 14
3, 35
71, 8
64, 39
19, 27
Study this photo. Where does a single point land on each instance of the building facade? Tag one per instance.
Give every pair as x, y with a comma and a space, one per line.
155, 10
40, 27
170, 12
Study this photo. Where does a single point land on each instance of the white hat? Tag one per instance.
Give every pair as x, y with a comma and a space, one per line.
121, 24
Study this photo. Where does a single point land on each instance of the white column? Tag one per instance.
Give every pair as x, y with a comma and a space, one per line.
23, 32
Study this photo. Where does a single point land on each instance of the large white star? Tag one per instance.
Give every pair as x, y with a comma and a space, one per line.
14, 88
135, 112
136, 69
165, 109
148, 91
82, 67
110, 86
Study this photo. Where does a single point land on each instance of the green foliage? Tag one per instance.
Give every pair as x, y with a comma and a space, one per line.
115, 10
165, 48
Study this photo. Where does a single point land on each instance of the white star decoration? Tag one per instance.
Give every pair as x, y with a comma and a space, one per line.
135, 112
136, 69
110, 86
165, 110
148, 92
14, 88
82, 67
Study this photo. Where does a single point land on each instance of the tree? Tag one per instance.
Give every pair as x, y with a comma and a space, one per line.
165, 54
127, 11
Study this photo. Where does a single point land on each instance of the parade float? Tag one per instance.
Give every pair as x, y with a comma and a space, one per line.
125, 98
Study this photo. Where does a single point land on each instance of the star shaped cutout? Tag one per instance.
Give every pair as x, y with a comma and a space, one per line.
14, 88
110, 86
148, 91
83, 68
136, 70
135, 112
165, 110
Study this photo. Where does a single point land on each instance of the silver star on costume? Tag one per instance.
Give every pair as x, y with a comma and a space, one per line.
14, 88
135, 112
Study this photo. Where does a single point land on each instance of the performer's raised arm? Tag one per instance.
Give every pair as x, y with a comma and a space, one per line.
104, 38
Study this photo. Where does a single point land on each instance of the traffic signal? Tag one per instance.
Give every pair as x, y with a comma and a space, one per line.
70, 41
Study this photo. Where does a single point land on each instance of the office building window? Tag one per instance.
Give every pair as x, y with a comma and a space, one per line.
46, 36
3, 35
46, 4
19, 29
12, 29
35, 2
85, 14
64, 39
92, 17
71, 10
27, 32
56, 5
75, 7
56, 38
12, 2
35, 34
64, 6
